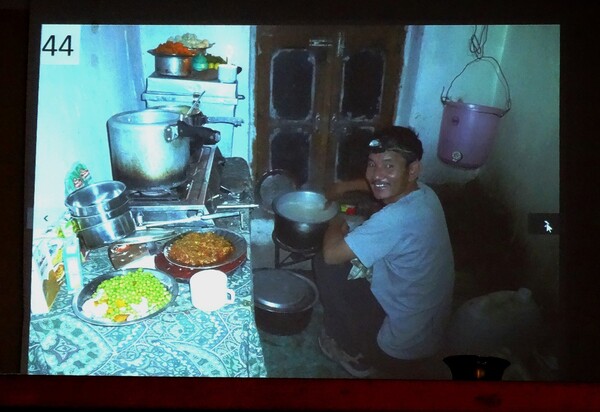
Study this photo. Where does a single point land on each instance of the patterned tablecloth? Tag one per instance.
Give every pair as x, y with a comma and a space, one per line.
180, 341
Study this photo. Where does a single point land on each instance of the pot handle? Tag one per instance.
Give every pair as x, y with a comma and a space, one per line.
207, 135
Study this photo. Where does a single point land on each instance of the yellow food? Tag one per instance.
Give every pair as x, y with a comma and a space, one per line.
200, 249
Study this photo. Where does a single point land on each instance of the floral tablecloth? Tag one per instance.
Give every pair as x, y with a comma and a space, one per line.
180, 341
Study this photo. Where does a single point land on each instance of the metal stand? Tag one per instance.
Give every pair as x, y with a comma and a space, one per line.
294, 256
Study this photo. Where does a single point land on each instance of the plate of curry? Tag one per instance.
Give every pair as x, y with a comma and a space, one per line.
211, 248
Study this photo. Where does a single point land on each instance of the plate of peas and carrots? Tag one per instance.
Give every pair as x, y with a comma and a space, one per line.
125, 296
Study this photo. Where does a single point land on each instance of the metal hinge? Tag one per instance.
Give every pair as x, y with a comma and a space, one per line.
320, 43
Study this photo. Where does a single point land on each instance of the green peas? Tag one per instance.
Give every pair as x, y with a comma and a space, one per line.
123, 293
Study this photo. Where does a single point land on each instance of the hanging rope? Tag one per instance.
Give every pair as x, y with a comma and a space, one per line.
476, 47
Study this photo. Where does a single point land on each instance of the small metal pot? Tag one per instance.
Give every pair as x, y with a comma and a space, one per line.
108, 231
96, 198
301, 218
283, 301
176, 66
88, 221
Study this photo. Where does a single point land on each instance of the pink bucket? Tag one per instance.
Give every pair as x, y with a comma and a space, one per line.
467, 133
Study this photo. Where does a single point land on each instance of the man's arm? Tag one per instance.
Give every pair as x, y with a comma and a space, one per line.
335, 248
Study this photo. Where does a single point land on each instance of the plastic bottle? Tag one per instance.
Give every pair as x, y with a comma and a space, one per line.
199, 62
72, 263
502, 319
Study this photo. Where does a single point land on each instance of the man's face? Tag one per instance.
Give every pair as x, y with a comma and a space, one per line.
388, 176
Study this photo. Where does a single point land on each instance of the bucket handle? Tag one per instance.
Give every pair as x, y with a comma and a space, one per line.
500, 74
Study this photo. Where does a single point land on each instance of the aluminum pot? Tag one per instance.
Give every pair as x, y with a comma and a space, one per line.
172, 65
108, 231
150, 149
96, 198
283, 301
301, 218
88, 221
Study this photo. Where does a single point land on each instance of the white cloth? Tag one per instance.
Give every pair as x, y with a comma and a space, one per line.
408, 248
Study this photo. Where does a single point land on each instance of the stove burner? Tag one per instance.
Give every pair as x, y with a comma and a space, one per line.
162, 195
155, 193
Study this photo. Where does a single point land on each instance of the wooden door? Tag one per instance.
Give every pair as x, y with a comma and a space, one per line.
320, 93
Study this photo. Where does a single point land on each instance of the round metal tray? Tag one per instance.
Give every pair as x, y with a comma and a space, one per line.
88, 290
240, 248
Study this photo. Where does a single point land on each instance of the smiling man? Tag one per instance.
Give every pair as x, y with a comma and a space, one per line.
386, 287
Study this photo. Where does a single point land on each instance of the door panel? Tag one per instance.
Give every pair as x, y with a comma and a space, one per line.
326, 90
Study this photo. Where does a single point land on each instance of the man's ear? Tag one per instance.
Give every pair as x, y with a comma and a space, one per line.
413, 170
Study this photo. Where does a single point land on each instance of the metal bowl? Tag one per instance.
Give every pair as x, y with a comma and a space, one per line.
96, 198
88, 290
239, 248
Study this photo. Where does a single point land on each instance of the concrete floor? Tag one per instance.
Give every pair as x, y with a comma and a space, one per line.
298, 356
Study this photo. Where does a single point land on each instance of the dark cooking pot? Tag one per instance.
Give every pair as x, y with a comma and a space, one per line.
301, 218
150, 149
283, 301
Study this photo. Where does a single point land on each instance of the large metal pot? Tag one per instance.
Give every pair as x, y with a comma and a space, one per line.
150, 149
301, 218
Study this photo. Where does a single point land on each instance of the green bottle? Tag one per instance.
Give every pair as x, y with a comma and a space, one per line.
199, 62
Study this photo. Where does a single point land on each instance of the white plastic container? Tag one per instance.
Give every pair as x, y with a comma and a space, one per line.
502, 319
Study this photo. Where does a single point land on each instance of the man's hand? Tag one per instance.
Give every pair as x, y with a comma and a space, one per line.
335, 248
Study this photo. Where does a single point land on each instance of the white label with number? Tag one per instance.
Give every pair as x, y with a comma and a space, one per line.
60, 44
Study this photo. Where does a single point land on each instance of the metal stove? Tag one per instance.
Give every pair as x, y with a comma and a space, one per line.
214, 185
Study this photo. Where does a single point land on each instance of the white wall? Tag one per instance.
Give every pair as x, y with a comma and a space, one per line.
434, 56
524, 167
75, 101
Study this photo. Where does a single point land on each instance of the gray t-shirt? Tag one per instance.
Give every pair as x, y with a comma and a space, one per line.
407, 245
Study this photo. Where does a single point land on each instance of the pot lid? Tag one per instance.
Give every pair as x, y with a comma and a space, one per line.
280, 290
272, 184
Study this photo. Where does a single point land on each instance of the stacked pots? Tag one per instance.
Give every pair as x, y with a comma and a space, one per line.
102, 213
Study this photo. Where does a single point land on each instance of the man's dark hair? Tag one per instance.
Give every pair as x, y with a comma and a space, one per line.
403, 140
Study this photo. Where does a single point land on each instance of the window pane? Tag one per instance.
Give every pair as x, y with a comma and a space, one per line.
289, 151
363, 74
353, 153
292, 84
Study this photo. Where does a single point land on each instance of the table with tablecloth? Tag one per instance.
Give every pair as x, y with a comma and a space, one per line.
180, 341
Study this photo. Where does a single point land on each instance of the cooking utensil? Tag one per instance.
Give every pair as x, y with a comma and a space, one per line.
240, 247
184, 274
150, 149
85, 222
191, 219
300, 220
88, 290
272, 184
96, 198
173, 64
108, 231
283, 300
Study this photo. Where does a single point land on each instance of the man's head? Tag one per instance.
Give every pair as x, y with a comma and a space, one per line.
394, 163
